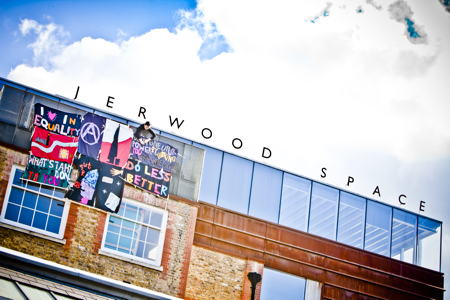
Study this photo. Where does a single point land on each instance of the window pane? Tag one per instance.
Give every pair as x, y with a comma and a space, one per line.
40, 220
211, 174
295, 202
16, 196
9, 289
59, 193
30, 200
404, 227
34, 293
12, 212
17, 176
429, 245
324, 203
112, 239
33, 186
11, 101
53, 224
26, 215
279, 285
351, 220
46, 190
378, 228
57, 208
265, 194
43, 204
131, 212
156, 219
234, 190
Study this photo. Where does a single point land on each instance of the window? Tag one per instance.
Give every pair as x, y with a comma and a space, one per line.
351, 220
265, 195
136, 232
323, 216
234, 190
35, 207
295, 202
378, 228
211, 174
404, 226
428, 246
279, 285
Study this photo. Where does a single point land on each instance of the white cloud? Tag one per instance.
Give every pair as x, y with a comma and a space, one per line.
50, 39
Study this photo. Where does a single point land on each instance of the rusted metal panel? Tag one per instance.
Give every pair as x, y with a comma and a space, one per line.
355, 272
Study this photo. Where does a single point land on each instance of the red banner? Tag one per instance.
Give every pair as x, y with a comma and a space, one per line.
53, 146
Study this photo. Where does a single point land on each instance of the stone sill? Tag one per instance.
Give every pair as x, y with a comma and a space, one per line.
133, 261
40, 235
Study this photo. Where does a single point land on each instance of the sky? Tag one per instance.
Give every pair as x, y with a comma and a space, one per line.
357, 87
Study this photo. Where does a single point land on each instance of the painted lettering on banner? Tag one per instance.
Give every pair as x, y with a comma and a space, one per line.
152, 179
48, 171
56, 121
155, 153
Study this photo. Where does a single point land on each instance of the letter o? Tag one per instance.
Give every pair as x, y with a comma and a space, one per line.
203, 133
233, 143
137, 168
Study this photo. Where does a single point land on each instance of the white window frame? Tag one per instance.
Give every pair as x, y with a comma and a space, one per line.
156, 263
62, 226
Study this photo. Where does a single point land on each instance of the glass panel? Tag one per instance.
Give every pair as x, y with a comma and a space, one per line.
47, 190
211, 174
111, 239
53, 224
114, 224
16, 196
43, 204
59, 193
12, 212
57, 208
30, 200
33, 186
10, 290
404, 226
40, 220
295, 202
131, 212
34, 293
351, 220
17, 175
378, 228
10, 105
234, 190
26, 215
156, 219
324, 204
279, 285
151, 250
152, 236
266, 192
428, 251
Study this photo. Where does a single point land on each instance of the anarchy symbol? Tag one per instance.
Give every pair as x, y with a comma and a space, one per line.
90, 133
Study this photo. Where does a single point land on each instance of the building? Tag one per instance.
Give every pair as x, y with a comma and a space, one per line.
225, 217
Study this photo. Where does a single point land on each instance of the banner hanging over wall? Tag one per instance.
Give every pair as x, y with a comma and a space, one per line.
109, 191
84, 187
53, 146
155, 153
56, 121
116, 143
152, 179
47, 171
91, 135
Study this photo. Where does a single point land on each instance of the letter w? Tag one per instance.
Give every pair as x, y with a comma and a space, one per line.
175, 121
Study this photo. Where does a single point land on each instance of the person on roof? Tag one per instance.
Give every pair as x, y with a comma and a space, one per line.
144, 133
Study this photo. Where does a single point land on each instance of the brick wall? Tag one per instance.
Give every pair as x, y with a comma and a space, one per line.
84, 233
213, 275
